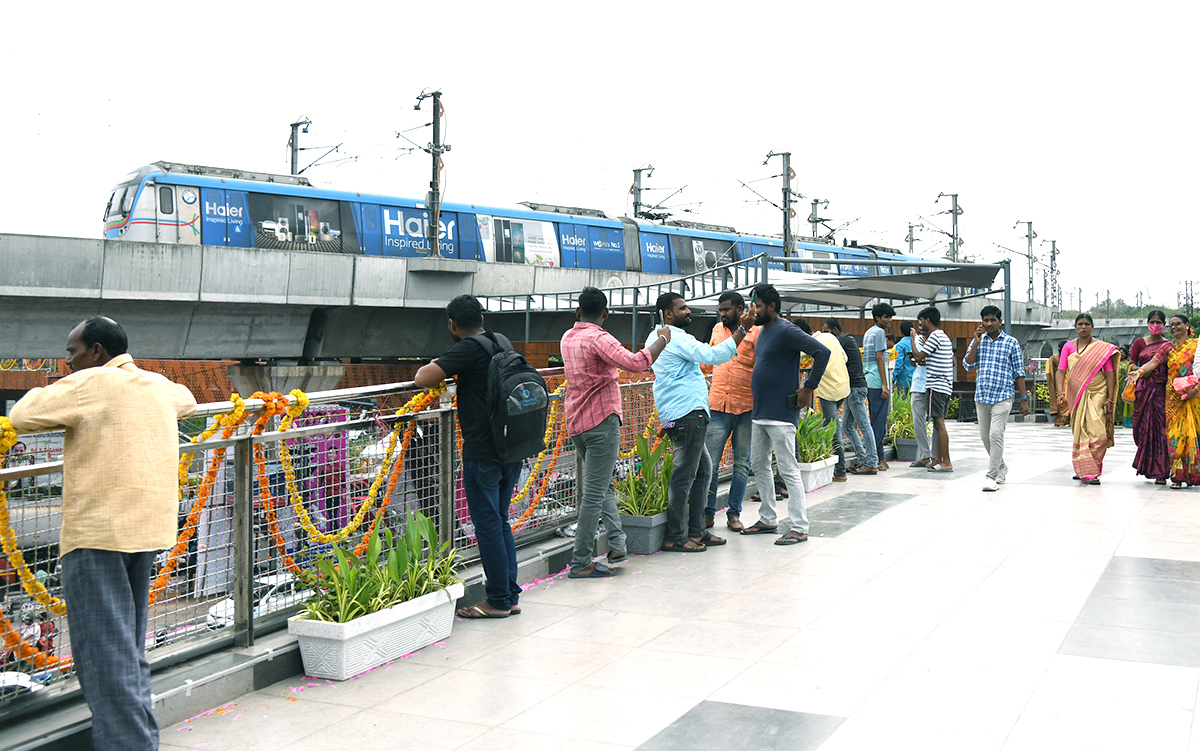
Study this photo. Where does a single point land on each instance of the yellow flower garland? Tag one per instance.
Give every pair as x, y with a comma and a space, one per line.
8, 538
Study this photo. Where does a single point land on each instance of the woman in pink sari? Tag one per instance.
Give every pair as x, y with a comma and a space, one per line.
1089, 390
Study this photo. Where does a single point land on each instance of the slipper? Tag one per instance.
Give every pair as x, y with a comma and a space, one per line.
712, 541
675, 547
940, 469
616, 558
599, 571
919, 464
861, 470
793, 537
516, 610
475, 613
757, 528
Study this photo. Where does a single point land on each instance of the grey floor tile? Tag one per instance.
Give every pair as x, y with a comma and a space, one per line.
1153, 567
1147, 589
717, 725
1174, 617
1135, 645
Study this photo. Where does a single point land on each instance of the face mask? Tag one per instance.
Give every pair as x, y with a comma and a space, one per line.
1156, 328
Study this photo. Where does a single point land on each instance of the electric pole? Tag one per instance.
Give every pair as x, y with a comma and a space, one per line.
294, 142
789, 174
909, 238
636, 190
955, 212
435, 150
1190, 299
1029, 235
1055, 297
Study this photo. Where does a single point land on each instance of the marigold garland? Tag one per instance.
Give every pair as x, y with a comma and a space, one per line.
274, 404
228, 424
395, 459
8, 540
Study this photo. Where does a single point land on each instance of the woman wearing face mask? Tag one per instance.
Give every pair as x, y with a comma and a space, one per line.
1150, 407
1090, 391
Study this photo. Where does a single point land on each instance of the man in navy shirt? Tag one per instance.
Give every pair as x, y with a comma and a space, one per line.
778, 396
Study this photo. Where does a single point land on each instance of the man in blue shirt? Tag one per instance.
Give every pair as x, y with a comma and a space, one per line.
875, 365
681, 398
997, 357
902, 373
778, 397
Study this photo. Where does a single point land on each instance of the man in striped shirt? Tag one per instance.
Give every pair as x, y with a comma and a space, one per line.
591, 358
937, 355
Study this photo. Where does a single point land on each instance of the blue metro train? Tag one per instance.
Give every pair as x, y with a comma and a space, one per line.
168, 202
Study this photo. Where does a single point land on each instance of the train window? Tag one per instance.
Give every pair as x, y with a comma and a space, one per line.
114, 203
166, 200
127, 202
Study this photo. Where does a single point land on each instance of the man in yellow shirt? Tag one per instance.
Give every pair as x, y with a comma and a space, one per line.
833, 390
120, 507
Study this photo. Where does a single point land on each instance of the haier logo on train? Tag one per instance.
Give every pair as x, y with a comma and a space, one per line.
407, 229
573, 240
211, 208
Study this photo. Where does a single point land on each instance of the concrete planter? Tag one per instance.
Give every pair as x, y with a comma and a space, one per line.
906, 449
343, 650
644, 535
817, 474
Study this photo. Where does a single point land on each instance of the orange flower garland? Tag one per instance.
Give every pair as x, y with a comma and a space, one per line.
413, 406
29, 653
227, 424
274, 404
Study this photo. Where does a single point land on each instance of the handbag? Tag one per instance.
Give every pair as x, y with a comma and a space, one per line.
1130, 393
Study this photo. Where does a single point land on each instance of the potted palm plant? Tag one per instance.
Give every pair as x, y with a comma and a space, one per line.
814, 450
900, 429
398, 596
642, 497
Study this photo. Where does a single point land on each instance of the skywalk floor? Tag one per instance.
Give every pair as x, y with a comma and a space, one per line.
923, 614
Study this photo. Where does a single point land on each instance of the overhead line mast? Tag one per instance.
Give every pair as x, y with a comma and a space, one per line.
434, 149
789, 243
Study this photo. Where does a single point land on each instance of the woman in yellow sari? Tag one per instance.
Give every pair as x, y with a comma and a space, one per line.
1087, 385
1183, 416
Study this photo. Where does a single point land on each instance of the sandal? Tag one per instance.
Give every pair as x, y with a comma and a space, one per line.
476, 612
670, 546
861, 470
712, 541
1160, 481
599, 571
793, 537
758, 528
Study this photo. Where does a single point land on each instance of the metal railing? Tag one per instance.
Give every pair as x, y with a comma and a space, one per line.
235, 574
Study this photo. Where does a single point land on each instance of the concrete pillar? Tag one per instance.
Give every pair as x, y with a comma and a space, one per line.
283, 378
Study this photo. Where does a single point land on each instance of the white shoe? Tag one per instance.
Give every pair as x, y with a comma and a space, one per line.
990, 486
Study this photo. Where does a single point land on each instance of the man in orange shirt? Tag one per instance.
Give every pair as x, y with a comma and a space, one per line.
730, 402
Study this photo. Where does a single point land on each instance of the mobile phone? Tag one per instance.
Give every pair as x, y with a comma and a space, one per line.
793, 403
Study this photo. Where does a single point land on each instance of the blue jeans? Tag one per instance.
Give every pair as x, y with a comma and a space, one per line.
879, 408
108, 595
721, 426
854, 414
687, 494
489, 489
598, 449
829, 410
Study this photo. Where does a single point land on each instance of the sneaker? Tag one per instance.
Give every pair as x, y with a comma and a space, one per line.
990, 486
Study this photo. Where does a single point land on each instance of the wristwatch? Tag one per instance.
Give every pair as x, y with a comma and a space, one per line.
743, 330
1025, 398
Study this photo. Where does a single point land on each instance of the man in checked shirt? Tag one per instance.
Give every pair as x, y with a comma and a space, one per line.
591, 357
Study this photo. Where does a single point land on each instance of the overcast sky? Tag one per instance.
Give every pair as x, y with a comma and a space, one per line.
1077, 116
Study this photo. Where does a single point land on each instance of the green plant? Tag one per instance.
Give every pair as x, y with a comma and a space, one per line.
395, 569
643, 492
954, 403
900, 421
814, 439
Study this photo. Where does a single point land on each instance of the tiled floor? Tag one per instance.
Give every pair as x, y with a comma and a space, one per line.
921, 614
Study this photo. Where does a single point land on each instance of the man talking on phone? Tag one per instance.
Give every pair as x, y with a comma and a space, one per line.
778, 399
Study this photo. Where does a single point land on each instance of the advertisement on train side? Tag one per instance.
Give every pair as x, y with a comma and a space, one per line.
517, 241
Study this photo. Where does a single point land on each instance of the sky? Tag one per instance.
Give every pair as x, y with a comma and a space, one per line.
1075, 116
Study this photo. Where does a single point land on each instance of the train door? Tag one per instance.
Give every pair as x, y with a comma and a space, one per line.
187, 214
166, 217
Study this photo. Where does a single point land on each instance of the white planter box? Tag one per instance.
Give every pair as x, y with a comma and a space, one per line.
343, 650
817, 474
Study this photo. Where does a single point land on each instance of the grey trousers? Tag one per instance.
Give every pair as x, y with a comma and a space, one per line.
926, 445
993, 418
780, 440
597, 449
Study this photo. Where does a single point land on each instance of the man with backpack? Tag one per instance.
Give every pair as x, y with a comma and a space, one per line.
591, 357
502, 415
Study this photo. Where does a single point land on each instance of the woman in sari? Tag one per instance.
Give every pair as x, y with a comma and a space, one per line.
1062, 415
1183, 415
1152, 460
1089, 390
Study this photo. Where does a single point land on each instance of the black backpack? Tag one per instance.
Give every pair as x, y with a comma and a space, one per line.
517, 400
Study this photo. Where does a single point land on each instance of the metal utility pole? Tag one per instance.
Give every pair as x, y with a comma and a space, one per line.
294, 142
909, 238
955, 213
1029, 235
813, 218
1190, 299
435, 150
636, 189
789, 244
1055, 298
